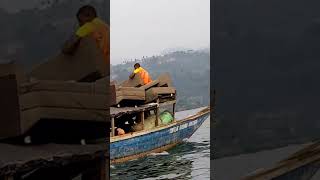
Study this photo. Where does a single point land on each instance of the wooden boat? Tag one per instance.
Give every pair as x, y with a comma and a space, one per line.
162, 137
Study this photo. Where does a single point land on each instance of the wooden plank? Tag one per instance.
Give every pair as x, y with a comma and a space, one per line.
86, 61
129, 94
138, 93
63, 100
149, 85
32, 116
64, 86
159, 92
164, 90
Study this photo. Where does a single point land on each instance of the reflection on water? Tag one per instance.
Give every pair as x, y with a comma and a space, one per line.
189, 160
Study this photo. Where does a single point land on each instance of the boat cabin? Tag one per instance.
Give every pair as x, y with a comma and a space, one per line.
139, 118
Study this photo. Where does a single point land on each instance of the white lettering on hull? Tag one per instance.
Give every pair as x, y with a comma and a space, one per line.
182, 126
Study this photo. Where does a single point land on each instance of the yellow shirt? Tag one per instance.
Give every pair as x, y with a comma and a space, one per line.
137, 70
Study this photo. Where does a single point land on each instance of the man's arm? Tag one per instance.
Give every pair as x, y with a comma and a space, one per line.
132, 75
71, 45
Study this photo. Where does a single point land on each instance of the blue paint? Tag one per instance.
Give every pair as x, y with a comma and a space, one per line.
153, 140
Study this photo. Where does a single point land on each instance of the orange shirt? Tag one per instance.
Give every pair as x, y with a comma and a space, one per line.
144, 75
99, 31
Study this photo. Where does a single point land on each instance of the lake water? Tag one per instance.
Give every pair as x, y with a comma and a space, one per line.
189, 160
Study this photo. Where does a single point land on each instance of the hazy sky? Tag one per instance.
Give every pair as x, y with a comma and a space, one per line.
147, 27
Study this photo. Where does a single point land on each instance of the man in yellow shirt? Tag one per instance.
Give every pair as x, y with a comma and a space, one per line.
142, 73
90, 25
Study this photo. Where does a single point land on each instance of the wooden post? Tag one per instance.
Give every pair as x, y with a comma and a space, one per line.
142, 119
157, 114
173, 111
112, 127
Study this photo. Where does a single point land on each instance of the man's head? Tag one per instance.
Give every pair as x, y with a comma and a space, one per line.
136, 65
86, 14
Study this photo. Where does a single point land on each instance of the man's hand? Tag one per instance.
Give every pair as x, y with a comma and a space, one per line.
71, 45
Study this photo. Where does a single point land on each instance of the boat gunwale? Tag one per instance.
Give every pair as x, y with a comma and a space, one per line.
159, 128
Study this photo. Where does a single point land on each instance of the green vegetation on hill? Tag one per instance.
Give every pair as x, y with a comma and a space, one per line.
189, 70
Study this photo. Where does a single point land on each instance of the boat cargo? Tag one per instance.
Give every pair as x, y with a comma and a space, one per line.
147, 129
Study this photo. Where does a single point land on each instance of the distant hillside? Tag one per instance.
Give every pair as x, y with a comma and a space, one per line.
190, 71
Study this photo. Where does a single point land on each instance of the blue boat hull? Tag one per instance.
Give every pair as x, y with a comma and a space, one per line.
155, 141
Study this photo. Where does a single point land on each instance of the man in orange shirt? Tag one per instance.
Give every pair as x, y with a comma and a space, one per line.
142, 73
90, 25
